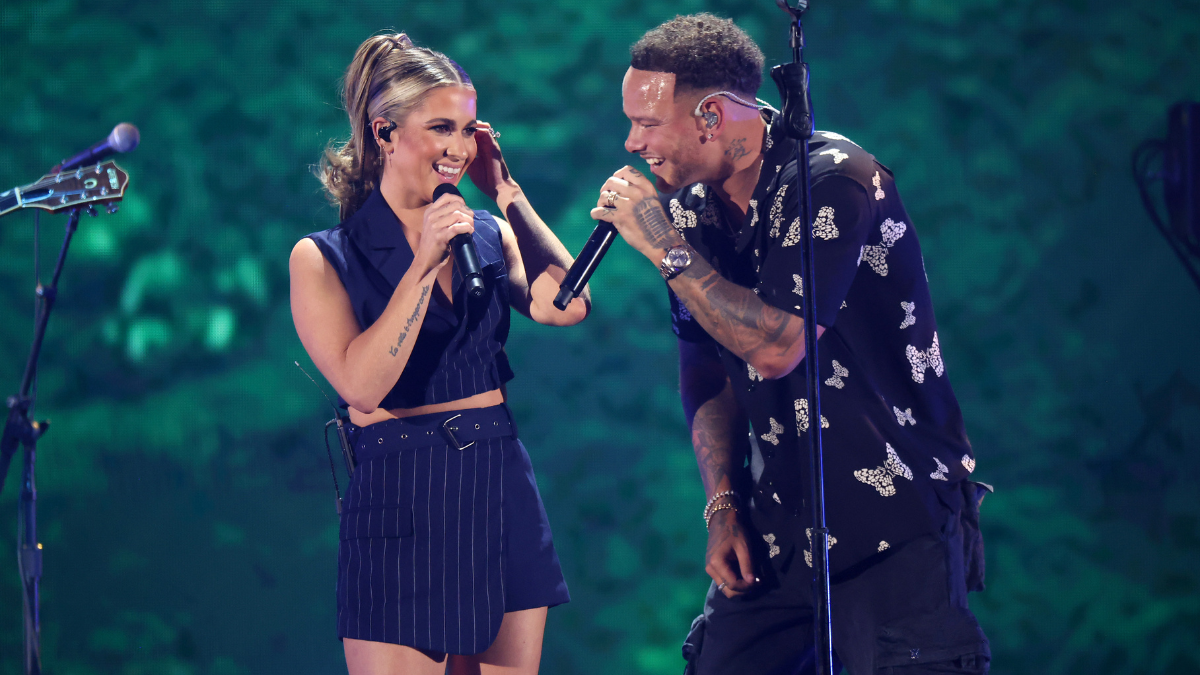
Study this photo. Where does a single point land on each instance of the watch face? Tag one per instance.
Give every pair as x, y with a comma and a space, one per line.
678, 257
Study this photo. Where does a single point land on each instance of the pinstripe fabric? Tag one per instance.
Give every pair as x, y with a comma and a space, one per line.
459, 351
423, 559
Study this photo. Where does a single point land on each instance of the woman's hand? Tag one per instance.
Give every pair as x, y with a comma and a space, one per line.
488, 172
445, 219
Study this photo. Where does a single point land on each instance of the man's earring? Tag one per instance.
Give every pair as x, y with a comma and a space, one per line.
710, 137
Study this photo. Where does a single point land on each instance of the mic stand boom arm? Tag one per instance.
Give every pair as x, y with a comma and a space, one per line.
797, 118
20, 430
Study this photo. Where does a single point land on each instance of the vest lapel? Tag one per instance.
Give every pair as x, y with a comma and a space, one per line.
379, 236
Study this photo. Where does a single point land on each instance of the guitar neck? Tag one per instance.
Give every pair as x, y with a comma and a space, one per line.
8, 202
103, 183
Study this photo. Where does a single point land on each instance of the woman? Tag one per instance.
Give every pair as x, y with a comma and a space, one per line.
445, 560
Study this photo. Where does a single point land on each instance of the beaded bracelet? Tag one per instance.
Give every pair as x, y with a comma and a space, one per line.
713, 500
718, 507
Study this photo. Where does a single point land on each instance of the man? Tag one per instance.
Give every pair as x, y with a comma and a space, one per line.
903, 517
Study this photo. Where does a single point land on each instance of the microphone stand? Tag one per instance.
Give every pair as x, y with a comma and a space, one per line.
797, 118
20, 430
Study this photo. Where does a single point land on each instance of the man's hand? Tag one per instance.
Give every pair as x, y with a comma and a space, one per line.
728, 559
629, 201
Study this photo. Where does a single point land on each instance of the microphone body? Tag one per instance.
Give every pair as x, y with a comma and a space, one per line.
123, 138
589, 258
465, 255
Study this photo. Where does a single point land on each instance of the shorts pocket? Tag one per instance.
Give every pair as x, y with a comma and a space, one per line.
375, 522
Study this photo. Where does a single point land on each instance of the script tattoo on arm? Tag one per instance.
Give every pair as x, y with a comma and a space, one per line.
411, 320
653, 220
737, 150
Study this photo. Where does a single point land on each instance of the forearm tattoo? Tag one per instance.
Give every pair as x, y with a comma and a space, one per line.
735, 316
653, 220
717, 430
411, 320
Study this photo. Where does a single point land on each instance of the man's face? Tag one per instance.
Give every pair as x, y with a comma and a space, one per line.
662, 131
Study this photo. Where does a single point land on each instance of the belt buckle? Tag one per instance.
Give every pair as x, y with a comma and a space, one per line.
450, 434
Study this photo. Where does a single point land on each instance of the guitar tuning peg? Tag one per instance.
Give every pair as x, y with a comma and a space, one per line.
90, 210
112, 208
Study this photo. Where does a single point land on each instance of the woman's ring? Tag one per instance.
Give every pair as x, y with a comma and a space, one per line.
493, 133
612, 199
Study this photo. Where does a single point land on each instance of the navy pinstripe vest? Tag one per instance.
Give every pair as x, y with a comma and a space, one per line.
459, 351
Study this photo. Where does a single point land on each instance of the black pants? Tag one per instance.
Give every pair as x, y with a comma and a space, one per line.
904, 612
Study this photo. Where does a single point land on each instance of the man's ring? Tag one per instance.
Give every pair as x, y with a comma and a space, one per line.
612, 199
721, 586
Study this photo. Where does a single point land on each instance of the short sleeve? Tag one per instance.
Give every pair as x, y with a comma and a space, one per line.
840, 228
683, 323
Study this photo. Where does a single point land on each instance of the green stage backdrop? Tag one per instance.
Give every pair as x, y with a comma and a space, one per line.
186, 507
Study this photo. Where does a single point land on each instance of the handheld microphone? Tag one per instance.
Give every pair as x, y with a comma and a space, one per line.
589, 258
465, 255
123, 138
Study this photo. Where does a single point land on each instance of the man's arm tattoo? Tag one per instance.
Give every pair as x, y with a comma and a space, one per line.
735, 316
411, 320
655, 226
737, 150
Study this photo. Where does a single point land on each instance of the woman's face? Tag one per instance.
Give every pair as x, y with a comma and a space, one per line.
436, 143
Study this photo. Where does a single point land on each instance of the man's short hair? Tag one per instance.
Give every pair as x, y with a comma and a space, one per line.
703, 51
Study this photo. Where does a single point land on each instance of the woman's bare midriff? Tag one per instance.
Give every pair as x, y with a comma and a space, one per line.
485, 400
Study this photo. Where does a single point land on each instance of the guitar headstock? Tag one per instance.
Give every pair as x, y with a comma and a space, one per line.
99, 184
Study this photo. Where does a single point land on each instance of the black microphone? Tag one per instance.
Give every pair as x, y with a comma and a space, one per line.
589, 258
463, 246
124, 137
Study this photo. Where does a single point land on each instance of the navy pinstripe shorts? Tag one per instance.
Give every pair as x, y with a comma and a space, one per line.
437, 542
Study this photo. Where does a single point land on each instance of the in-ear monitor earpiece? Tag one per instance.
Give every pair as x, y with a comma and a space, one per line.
710, 119
385, 132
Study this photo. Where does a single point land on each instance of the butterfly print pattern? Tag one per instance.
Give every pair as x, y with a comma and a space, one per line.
773, 550
681, 217
878, 187
876, 256
776, 214
753, 374
942, 470
772, 436
698, 190
839, 371
753, 216
838, 155
909, 319
924, 360
904, 416
799, 289
684, 314
801, 406
808, 552
881, 478
883, 546
968, 463
823, 227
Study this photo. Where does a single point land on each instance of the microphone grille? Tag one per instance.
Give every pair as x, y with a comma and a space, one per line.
445, 188
124, 137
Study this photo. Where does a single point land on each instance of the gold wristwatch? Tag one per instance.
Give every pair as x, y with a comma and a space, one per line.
675, 261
